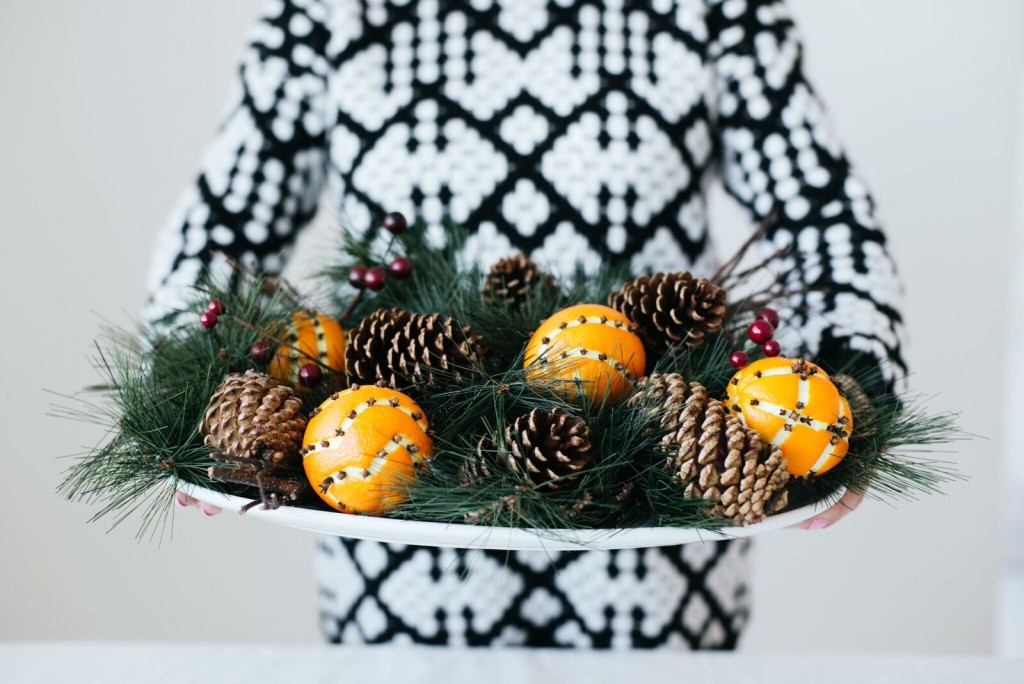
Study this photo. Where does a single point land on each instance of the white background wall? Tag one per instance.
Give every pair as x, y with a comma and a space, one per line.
1010, 613
105, 106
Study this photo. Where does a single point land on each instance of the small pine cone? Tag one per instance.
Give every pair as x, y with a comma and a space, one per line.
713, 454
480, 465
253, 416
680, 408
512, 279
548, 446
744, 478
398, 347
671, 308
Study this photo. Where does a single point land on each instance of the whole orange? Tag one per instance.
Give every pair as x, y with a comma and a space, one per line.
587, 347
362, 446
794, 405
309, 337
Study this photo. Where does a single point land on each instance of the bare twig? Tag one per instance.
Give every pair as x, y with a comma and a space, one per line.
270, 285
727, 268
351, 305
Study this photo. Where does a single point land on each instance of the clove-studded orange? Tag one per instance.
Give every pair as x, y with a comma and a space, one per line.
590, 347
309, 338
362, 447
794, 405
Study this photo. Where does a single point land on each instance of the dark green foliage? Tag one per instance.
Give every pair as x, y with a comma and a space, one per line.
625, 487
886, 457
441, 284
156, 387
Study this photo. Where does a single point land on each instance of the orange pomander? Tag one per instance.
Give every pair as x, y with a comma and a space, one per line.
794, 405
362, 445
309, 338
589, 343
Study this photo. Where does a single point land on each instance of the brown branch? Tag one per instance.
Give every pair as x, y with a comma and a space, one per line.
351, 305
739, 277
727, 268
252, 476
270, 285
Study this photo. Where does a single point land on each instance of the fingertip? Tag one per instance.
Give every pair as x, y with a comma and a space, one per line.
208, 510
853, 500
181, 499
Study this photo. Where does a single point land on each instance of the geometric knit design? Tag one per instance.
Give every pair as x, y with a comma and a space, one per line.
575, 131
691, 596
572, 130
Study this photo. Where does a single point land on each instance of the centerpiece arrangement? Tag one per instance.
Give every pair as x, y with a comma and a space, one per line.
425, 389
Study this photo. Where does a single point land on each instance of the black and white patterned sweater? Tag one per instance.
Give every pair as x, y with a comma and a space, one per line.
575, 131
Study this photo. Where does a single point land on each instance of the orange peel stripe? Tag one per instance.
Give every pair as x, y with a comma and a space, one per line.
570, 352
382, 403
829, 451
775, 410
826, 454
298, 332
378, 463
575, 322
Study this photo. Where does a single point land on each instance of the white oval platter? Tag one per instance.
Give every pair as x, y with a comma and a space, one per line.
454, 535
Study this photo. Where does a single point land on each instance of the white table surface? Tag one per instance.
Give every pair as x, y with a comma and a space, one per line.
85, 662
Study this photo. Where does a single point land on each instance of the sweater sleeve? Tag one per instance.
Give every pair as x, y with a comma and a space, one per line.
780, 153
260, 179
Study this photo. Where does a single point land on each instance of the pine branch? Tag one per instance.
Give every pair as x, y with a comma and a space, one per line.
155, 386
154, 390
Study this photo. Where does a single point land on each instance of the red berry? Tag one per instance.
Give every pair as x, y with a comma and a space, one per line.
375, 278
395, 223
761, 331
769, 315
738, 359
208, 319
401, 268
310, 375
357, 277
260, 352
772, 348
215, 307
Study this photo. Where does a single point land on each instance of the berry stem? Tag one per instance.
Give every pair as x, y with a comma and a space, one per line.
387, 250
733, 278
352, 303
729, 266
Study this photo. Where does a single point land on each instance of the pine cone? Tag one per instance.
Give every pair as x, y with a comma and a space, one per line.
253, 416
548, 446
671, 308
714, 455
513, 279
399, 347
679, 408
480, 465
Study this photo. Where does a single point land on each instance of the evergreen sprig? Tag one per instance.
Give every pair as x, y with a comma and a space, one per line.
156, 384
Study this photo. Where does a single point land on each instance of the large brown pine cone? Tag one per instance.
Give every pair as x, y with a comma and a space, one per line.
253, 416
512, 279
671, 308
400, 347
713, 455
548, 446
